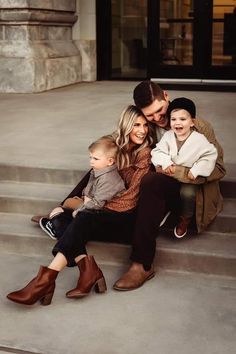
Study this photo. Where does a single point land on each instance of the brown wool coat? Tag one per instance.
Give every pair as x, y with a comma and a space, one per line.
209, 201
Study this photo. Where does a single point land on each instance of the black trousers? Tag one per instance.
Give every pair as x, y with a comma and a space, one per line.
158, 194
100, 225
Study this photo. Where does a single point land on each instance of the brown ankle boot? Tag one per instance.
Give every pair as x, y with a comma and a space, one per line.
90, 276
181, 229
40, 288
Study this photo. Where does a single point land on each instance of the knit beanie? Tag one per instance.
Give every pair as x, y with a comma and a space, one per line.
182, 103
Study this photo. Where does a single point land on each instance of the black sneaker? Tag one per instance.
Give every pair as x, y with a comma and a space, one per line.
47, 226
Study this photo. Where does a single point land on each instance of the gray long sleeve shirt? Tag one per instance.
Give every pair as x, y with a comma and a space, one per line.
102, 186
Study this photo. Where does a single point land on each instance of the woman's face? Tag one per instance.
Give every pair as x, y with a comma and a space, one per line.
139, 132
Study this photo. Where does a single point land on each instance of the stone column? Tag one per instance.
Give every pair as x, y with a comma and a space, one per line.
36, 48
84, 35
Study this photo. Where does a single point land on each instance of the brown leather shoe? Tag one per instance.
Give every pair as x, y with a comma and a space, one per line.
90, 276
181, 229
36, 218
135, 277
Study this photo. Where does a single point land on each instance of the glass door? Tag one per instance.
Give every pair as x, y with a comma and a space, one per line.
176, 39
128, 38
171, 40
223, 55
192, 39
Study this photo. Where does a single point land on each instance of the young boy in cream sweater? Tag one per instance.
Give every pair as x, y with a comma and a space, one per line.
184, 146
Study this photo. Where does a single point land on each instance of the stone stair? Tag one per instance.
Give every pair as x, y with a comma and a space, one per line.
25, 191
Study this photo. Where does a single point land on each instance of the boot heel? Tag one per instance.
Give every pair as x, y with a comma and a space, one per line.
47, 299
100, 286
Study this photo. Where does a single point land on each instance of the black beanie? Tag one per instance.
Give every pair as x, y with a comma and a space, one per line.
182, 103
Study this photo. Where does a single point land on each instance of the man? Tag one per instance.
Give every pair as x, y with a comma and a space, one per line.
160, 191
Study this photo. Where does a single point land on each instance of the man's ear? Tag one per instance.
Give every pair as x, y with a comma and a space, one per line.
166, 96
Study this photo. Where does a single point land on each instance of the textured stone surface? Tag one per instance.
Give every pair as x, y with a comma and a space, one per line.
37, 52
87, 50
17, 75
63, 5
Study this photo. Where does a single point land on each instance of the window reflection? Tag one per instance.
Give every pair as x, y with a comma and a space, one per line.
224, 32
129, 38
176, 32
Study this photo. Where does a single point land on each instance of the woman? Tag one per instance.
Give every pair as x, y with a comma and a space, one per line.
114, 223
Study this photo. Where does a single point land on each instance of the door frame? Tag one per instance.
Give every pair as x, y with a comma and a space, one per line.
201, 70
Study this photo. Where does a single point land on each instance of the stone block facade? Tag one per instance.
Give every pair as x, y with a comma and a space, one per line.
37, 52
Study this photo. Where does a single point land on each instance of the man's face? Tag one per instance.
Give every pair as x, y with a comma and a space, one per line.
156, 112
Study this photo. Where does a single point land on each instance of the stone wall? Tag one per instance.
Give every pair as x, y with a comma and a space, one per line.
37, 52
84, 35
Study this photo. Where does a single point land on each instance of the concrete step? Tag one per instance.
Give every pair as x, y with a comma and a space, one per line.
210, 253
40, 174
40, 198
228, 183
225, 221
71, 177
28, 197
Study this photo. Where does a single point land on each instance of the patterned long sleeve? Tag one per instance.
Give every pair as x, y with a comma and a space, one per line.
132, 177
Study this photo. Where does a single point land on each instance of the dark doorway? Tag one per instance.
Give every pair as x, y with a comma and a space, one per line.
181, 39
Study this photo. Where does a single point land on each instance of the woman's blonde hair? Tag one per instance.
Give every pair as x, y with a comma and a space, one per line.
126, 155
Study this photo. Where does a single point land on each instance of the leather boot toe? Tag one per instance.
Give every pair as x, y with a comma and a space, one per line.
135, 277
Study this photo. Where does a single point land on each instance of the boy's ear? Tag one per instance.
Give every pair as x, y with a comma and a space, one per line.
193, 122
111, 161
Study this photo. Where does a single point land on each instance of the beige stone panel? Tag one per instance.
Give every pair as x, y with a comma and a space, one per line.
37, 16
17, 75
89, 59
13, 4
87, 26
87, 7
43, 49
24, 32
62, 5
62, 72
28, 75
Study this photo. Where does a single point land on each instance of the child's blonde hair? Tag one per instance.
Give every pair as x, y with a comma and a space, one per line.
107, 145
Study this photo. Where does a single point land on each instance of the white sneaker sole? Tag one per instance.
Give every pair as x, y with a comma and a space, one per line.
164, 219
46, 230
176, 235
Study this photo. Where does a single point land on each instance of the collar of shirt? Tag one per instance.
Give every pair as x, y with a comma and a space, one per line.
98, 173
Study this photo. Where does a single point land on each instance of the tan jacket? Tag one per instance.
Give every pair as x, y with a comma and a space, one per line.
209, 201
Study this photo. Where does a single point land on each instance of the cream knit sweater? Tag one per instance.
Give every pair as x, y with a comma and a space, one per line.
196, 153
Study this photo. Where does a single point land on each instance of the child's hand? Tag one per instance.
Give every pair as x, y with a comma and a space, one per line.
75, 212
170, 170
86, 199
190, 176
